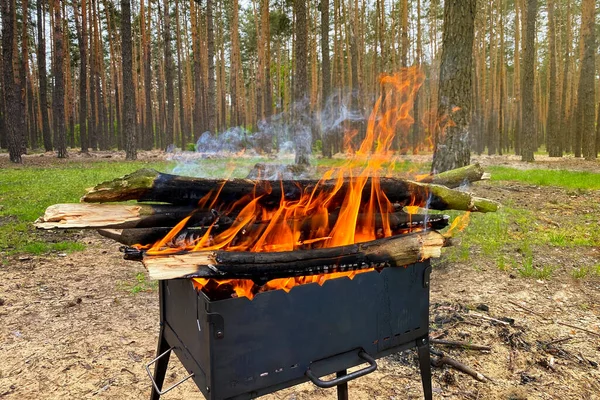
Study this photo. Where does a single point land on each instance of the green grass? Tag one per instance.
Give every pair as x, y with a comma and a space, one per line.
544, 177
140, 284
26, 191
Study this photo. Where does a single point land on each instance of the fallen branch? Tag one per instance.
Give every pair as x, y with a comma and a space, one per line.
394, 251
485, 317
445, 360
457, 177
465, 345
150, 185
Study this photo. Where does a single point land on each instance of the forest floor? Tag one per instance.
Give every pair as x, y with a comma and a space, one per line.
83, 324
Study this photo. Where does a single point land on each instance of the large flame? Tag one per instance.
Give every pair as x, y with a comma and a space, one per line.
259, 229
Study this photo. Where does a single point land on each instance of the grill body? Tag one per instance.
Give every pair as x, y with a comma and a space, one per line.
240, 349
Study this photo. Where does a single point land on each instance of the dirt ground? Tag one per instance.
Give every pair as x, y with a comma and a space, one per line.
72, 329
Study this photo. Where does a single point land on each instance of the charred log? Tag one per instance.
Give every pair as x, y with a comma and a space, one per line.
150, 185
394, 251
399, 222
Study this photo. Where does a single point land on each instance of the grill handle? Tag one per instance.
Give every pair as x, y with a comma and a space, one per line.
158, 390
343, 379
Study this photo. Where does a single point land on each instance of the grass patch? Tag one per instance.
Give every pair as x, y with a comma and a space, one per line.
26, 191
38, 248
543, 177
140, 284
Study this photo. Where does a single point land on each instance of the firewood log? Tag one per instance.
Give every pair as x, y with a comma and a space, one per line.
150, 185
394, 251
457, 177
398, 222
81, 215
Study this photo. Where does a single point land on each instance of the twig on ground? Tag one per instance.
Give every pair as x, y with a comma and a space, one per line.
559, 340
445, 360
529, 310
456, 343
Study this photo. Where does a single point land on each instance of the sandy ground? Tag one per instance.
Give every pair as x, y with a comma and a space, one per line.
72, 329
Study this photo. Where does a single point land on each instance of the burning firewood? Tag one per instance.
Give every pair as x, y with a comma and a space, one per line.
122, 216
150, 185
220, 264
398, 222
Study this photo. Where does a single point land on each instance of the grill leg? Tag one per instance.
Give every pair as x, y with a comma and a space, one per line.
160, 368
425, 366
342, 388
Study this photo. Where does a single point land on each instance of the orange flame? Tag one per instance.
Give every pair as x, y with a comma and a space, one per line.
259, 229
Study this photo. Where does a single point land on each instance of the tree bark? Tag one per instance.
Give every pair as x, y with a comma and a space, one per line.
302, 126
394, 251
452, 146
81, 26
552, 124
58, 95
210, 44
148, 135
170, 120
587, 86
528, 78
129, 117
150, 185
11, 89
325, 74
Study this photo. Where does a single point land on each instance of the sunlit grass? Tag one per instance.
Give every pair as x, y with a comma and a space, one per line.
548, 177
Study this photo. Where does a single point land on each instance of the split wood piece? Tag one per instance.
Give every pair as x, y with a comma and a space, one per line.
464, 345
150, 185
445, 360
398, 222
389, 252
457, 177
81, 215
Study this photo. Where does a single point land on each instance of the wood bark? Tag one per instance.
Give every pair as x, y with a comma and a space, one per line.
528, 78
325, 74
148, 134
210, 44
58, 95
389, 252
302, 134
129, 117
81, 26
399, 223
96, 216
150, 185
564, 112
11, 89
552, 124
587, 86
452, 146
169, 67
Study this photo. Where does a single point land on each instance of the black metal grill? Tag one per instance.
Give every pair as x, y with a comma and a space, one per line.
240, 349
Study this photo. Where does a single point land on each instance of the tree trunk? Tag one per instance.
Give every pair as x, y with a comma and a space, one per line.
170, 121
129, 118
587, 86
148, 135
81, 26
552, 124
43, 80
325, 74
528, 78
58, 95
302, 129
210, 39
11, 89
236, 76
452, 146
563, 134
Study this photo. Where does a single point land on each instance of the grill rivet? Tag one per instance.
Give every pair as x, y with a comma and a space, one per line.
207, 389
219, 334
